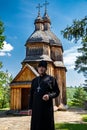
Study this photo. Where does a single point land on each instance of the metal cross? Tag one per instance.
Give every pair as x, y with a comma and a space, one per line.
38, 89
45, 4
39, 6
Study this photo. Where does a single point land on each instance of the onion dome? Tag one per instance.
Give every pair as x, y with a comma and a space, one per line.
38, 21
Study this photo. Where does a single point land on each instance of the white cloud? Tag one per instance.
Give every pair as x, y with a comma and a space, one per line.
2, 53
70, 57
8, 54
7, 48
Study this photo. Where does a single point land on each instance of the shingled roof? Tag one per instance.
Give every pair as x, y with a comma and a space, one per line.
44, 36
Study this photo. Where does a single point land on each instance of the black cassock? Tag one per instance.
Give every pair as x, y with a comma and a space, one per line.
42, 111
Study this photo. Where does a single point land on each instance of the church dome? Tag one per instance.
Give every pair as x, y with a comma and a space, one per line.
46, 18
38, 20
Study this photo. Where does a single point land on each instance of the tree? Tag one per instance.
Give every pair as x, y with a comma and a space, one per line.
78, 30
5, 79
2, 37
81, 62
70, 93
79, 97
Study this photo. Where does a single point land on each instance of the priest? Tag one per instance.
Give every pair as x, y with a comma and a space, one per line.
43, 89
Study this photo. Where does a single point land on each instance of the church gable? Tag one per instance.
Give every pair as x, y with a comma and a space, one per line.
27, 73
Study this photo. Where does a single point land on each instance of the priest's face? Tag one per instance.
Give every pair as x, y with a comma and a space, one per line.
41, 70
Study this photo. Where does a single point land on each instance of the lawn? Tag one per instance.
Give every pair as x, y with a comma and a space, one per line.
70, 126
84, 118
4, 109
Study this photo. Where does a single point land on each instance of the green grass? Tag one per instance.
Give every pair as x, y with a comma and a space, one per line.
4, 108
84, 118
70, 126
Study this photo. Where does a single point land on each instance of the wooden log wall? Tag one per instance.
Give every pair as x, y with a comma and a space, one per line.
16, 96
61, 79
50, 69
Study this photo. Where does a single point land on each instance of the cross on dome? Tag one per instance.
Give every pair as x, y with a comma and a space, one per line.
38, 7
45, 4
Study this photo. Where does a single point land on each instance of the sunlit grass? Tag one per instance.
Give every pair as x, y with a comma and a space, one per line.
84, 118
71, 126
4, 108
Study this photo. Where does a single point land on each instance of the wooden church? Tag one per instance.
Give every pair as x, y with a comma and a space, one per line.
43, 44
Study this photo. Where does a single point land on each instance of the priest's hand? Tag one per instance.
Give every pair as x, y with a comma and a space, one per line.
45, 97
29, 112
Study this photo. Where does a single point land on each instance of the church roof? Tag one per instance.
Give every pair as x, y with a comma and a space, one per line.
59, 64
44, 36
37, 58
17, 80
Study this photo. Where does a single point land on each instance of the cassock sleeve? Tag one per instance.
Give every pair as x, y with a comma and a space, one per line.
55, 89
31, 96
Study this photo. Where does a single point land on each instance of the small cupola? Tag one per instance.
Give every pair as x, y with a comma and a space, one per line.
38, 21
46, 19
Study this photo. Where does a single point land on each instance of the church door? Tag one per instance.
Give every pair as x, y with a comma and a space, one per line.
25, 98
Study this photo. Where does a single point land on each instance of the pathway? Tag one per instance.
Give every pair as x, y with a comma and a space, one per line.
23, 122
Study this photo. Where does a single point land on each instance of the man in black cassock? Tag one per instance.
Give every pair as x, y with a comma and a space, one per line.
43, 89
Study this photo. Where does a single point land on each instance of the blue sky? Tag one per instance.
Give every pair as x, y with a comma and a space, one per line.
18, 17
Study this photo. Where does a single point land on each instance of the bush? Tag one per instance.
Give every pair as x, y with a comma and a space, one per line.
79, 97
76, 96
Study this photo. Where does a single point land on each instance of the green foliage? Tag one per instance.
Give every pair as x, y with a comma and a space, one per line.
84, 118
70, 92
81, 62
79, 97
1, 65
70, 126
2, 37
76, 96
78, 30
5, 79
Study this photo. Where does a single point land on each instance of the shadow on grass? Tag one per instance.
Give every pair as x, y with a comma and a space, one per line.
70, 126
